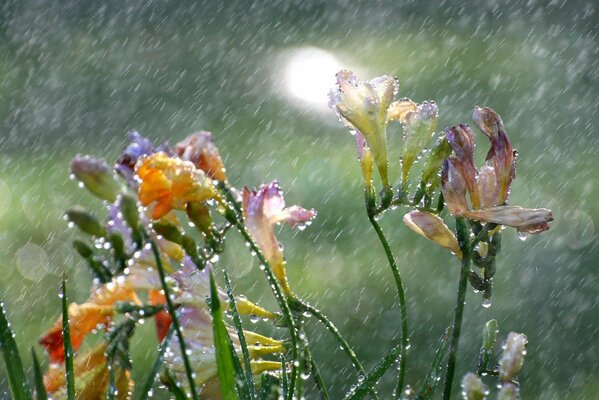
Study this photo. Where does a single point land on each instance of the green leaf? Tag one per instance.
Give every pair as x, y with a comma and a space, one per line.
40, 389
68, 347
224, 355
434, 374
19, 387
151, 378
249, 386
174, 387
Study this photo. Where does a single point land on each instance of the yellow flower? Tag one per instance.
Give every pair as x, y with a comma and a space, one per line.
91, 377
362, 106
171, 183
86, 317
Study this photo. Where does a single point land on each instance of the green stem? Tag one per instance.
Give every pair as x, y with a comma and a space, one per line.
462, 231
315, 372
171, 310
337, 335
402, 304
234, 215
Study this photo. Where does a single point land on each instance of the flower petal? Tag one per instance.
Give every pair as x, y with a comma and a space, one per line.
523, 219
461, 139
453, 187
200, 149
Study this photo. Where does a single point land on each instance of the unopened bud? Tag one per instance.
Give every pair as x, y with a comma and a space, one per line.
96, 176
473, 388
440, 152
513, 356
85, 221
509, 391
199, 214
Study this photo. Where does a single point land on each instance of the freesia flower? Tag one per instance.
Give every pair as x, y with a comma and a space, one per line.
432, 227
262, 210
171, 183
199, 148
362, 106
86, 317
138, 147
489, 187
92, 377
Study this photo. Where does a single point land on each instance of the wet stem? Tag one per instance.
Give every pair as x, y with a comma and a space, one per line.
233, 215
402, 303
462, 231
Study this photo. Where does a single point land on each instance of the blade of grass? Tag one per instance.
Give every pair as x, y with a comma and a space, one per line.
40, 388
171, 310
173, 387
434, 374
66, 338
224, 355
151, 378
266, 384
249, 377
19, 387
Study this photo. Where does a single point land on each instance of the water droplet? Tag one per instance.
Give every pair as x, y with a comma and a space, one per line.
522, 236
486, 303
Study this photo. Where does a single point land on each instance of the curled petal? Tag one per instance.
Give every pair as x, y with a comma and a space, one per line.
419, 126
453, 187
501, 152
362, 106
171, 183
523, 219
461, 139
398, 110
199, 148
433, 228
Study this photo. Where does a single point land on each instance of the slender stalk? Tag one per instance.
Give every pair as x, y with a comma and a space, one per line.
234, 215
172, 312
315, 372
337, 335
402, 303
462, 231
66, 338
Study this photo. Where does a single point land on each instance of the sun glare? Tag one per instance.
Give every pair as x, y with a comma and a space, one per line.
310, 74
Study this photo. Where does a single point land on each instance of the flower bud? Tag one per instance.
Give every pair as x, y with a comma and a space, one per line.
96, 176
433, 228
461, 139
418, 127
453, 187
473, 388
85, 221
509, 391
512, 358
199, 214
439, 153
489, 337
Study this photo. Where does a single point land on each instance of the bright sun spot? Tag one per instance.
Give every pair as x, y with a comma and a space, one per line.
310, 74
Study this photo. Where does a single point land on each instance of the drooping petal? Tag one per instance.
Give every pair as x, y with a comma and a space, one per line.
501, 152
419, 126
523, 219
453, 187
461, 139
433, 228
200, 149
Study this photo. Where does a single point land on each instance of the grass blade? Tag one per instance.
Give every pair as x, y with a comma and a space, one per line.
250, 388
14, 367
40, 388
266, 385
151, 378
68, 347
224, 355
434, 374
174, 388
371, 379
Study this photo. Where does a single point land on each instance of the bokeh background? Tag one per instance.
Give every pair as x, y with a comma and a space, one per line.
76, 76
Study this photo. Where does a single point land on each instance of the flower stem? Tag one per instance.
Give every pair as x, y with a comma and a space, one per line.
462, 231
233, 214
172, 312
402, 303
337, 335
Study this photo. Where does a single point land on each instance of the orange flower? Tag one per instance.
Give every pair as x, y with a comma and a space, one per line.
91, 377
199, 148
86, 317
171, 183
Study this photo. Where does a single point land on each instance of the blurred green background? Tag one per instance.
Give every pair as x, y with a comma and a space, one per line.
76, 76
